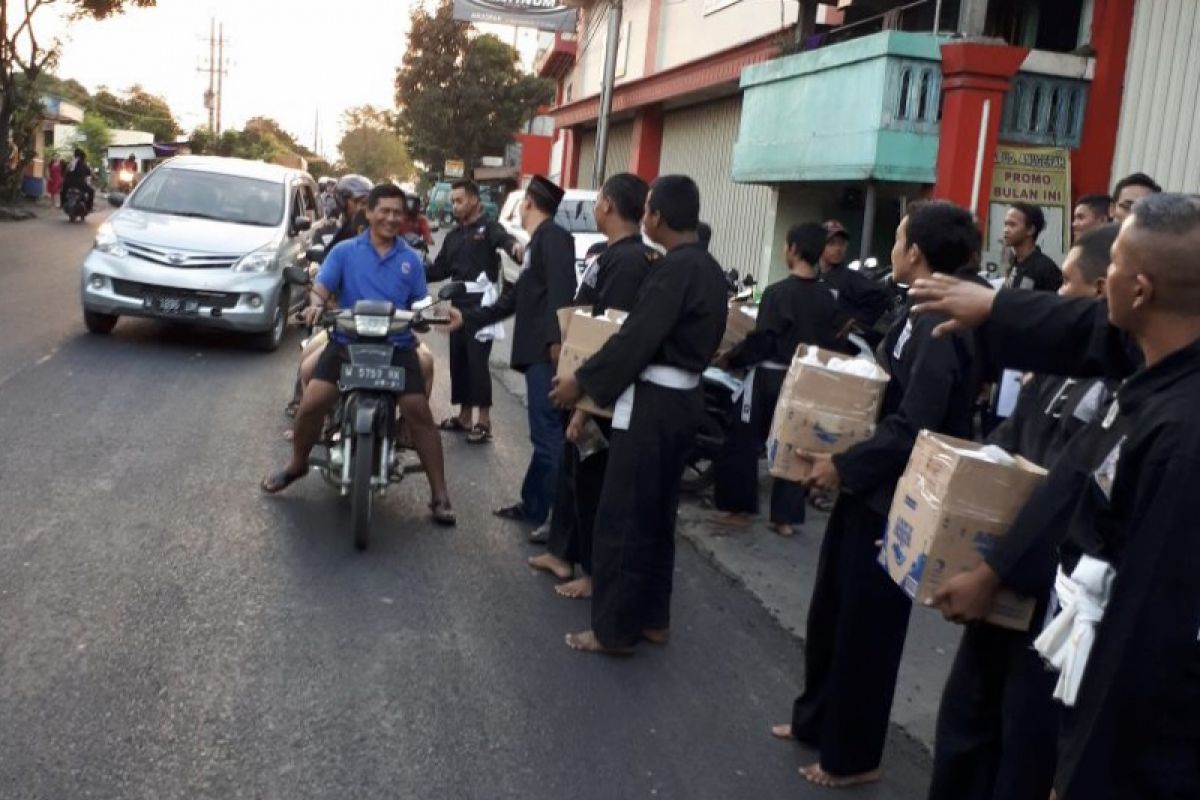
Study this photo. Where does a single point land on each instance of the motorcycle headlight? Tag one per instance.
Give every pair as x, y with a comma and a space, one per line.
126, 176
107, 241
263, 260
372, 325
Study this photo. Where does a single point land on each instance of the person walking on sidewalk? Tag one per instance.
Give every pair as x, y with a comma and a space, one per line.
546, 284
858, 617
470, 253
650, 369
800, 309
613, 281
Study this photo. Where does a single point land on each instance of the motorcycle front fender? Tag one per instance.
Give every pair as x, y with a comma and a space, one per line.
366, 410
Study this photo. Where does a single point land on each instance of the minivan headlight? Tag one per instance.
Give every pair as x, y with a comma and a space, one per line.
107, 241
262, 260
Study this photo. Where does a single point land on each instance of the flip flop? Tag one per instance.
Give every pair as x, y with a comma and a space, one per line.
453, 424
480, 434
278, 481
290, 410
443, 514
514, 512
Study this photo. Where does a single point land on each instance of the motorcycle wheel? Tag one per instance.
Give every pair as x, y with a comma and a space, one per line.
360, 492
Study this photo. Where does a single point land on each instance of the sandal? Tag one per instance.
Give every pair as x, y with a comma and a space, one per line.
480, 434
278, 481
442, 513
514, 512
453, 424
291, 408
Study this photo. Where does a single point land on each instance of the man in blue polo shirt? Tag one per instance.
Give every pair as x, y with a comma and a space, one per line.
375, 265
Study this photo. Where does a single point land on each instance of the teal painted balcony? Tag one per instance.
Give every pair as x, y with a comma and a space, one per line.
869, 109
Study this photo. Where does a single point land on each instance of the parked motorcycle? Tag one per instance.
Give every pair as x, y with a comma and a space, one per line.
74, 204
359, 454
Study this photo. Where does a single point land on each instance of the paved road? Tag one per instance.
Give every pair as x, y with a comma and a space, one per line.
168, 632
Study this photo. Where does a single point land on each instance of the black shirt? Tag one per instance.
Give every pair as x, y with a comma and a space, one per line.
860, 297
1038, 271
616, 277
1050, 410
678, 321
471, 249
793, 311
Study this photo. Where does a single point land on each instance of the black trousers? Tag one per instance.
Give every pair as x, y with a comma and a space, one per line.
575, 502
736, 468
857, 624
470, 377
633, 547
997, 725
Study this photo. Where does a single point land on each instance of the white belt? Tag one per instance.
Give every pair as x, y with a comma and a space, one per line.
746, 394
1066, 643
660, 375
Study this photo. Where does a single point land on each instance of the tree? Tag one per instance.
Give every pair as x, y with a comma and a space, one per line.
461, 97
24, 59
94, 137
378, 154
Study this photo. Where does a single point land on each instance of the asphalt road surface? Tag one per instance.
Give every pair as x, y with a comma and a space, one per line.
166, 631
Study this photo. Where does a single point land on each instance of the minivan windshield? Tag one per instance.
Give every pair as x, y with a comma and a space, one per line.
210, 195
577, 216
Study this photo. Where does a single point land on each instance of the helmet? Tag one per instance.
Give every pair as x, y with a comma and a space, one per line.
351, 186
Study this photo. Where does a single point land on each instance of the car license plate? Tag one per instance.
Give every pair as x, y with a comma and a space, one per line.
361, 376
179, 306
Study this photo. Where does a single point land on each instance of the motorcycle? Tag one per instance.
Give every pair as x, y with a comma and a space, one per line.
74, 204
359, 454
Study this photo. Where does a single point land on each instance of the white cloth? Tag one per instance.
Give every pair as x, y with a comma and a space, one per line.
1066, 643
746, 394
658, 374
491, 293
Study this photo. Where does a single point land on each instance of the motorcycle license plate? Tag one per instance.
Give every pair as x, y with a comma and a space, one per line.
361, 376
176, 306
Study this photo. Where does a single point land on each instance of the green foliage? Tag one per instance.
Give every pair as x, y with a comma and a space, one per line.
138, 110
261, 139
94, 137
461, 97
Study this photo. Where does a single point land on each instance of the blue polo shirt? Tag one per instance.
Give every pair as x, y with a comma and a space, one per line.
353, 271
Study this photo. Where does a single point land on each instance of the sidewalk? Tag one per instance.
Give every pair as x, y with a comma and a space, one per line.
780, 573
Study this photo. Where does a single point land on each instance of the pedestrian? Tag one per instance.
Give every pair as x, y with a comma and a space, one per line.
858, 617
1129, 190
54, 182
1115, 511
1030, 267
416, 222
800, 309
650, 369
611, 281
997, 726
546, 284
862, 299
471, 253
1091, 212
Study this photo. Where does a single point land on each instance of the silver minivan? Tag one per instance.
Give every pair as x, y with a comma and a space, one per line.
204, 240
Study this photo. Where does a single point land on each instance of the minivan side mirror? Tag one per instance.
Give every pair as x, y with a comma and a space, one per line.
295, 275
301, 224
315, 254
116, 199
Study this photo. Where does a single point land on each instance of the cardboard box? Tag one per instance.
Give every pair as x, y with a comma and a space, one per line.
950, 508
583, 336
742, 319
820, 410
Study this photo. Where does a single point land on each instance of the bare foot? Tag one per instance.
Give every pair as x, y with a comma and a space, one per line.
783, 529
578, 589
783, 731
586, 642
548, 562
814, 774
657, 635
732, 519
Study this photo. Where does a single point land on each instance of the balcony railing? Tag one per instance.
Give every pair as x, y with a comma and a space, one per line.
912, 99
1043, 109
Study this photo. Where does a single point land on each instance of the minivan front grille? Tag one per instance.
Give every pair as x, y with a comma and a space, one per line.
143, 290
183, 260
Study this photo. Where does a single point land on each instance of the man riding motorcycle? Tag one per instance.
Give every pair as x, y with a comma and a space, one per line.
376, 265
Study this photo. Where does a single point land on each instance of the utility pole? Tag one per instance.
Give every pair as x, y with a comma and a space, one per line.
606, 92
316, 132
220, 72
211, 68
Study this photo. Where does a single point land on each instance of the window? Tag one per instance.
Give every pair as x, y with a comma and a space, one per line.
211, 195
309, 201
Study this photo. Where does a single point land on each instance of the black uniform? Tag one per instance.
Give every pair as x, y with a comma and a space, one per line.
794, 311
677, 322
859, 297
1121, 491
614, 282
546, 284
997, 724
859, 617
1037, 271
467, 251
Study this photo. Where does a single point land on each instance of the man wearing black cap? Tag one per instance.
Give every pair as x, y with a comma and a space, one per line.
859, 297
546, 284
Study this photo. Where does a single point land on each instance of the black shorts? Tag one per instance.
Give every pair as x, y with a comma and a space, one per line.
329, 366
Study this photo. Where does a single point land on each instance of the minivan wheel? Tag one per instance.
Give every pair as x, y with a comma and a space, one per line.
99, 323
269, 340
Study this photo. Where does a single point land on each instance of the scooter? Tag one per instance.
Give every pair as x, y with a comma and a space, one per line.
74, 204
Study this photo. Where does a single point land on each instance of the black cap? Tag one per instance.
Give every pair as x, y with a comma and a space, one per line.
546, 189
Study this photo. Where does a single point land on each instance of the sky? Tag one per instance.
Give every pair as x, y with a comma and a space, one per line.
290, 60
